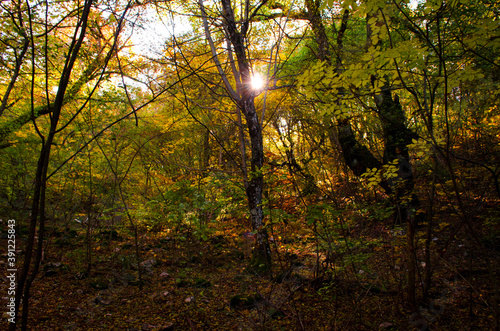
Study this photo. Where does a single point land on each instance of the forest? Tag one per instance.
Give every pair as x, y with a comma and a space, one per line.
250, 164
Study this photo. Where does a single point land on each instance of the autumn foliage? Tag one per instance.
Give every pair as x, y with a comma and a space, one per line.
155, 186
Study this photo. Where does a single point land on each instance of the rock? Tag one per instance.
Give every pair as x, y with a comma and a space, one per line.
386, 325
53, 268
161, 297
164, 275
98, 300
166, 327
148, 265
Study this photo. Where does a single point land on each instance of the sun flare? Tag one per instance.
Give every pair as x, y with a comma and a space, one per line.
257, 82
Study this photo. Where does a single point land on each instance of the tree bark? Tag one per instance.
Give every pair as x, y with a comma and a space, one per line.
261, 258
244, 97
314, 17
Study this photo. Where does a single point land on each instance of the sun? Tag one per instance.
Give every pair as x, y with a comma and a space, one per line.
257, 82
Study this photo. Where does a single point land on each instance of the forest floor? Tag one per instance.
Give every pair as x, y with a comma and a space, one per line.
194, 284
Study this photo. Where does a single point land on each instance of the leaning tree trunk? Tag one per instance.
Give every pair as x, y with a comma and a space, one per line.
397, 137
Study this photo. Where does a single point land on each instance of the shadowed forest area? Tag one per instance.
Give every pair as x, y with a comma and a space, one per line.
250, 165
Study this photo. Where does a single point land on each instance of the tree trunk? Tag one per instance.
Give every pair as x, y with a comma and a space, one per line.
236, 33
261, 258
26, 277
314, 17
397, 137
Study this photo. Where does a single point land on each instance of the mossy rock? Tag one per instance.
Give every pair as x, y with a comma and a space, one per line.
200, 282
259, 265
243, 301
99, 284
111, 235
275, 313
127, 246
281, 277
70, 233
63, 242
180, 282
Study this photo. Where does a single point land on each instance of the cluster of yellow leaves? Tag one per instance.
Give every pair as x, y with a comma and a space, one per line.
423, 148
388, 171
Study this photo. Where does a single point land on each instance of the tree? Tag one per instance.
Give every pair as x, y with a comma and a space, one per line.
409, 52
235, 20
38, 28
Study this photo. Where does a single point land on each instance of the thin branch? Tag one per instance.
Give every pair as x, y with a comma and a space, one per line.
223, 75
